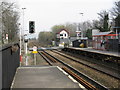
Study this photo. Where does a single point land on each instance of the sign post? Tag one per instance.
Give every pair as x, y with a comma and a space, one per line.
35, 59
34, 52
26, 41
34, 49
26, 54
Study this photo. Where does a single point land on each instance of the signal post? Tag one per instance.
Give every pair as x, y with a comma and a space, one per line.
31, 31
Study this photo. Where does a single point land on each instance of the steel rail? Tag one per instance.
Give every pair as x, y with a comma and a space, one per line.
88, 79
79, 79
116, 77
45, 59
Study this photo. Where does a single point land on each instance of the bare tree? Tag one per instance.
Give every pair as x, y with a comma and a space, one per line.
116, 15
84, 26
71, 27
116, 9
103, 23
9, 21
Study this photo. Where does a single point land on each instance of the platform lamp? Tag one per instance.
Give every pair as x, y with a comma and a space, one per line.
20, 44
81, 29
23, 29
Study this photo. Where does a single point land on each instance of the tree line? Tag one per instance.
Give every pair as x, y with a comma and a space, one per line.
107, 20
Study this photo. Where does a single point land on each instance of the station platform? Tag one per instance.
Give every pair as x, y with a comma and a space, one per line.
90, 49
43, 77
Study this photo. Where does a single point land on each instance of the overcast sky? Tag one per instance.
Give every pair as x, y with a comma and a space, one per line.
47, 13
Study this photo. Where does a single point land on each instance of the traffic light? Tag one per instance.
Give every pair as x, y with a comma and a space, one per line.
31, 27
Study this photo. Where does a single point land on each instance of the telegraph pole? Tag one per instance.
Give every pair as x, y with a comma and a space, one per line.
23, 38
81, 29
26, 41
20, 45
23, 20
23, 26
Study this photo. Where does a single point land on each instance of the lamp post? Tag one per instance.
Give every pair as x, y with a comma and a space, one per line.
23, 22
20, 43
23, 37
81, 29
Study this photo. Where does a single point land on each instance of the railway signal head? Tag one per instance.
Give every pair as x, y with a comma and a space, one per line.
31, 27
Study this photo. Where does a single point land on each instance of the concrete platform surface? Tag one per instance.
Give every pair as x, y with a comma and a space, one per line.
117, 54
43, 77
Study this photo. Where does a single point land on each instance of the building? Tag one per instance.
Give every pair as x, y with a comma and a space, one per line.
105, 41
63, 34
63, 37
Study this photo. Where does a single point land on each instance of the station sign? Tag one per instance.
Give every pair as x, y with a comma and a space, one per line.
34, 50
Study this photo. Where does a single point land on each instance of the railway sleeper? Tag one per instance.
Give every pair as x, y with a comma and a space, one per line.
80, 80
51, 58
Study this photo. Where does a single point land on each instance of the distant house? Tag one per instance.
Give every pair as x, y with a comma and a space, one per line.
63, 37
63, 34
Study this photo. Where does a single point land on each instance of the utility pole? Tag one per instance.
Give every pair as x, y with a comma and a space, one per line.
23, 19
20, 46
35, 59
23, 37
26, 41
23, 26
81, 29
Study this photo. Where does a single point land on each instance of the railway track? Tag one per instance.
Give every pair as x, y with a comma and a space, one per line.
111, 58
80, 77
46, 59
102, 70
111, 65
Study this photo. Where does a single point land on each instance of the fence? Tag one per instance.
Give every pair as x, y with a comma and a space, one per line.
114, 45
10, 62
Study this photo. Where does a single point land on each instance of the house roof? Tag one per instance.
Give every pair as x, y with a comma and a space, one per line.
102, 34
62, 30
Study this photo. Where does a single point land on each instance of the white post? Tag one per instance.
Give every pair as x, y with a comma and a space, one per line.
34, 51
20, 41
23, 28
26, 48
20, 46
23, 31
81, 29
34, 58
26, 53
